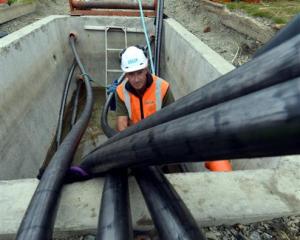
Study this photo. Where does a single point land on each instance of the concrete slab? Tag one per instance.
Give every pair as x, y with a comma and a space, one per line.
239, 22
15, 11
213, 199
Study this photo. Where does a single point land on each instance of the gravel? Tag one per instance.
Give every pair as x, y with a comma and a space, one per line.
234, 47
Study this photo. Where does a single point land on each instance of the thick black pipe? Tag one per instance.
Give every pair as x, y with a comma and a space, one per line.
108, 131
63, 103
115, 217
113, 222
289, 31
158, 35
170, 215
261, 124
39, 218
75, 104
278, 65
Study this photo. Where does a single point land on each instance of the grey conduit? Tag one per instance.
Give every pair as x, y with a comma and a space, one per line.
38, 221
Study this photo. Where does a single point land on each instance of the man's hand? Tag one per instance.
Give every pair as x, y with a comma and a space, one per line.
122, 123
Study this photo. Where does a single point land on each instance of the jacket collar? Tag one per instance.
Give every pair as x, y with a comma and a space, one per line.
149, 81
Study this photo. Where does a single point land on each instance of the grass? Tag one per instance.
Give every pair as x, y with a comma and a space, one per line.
279, 11
19, 1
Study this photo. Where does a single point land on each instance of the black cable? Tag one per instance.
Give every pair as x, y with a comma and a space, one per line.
264, 123
63, 103
276, 66
158, 34
108, 131
38, 221
170, 215
114, 217
75, 104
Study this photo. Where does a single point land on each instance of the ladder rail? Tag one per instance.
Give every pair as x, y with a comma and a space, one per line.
111, 49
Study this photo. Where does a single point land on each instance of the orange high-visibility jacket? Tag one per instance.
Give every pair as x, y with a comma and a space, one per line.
150, 103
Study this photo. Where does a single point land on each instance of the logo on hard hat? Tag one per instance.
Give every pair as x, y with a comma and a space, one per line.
132, 61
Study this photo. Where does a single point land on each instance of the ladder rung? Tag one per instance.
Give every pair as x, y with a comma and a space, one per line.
114, 70
114, 49
103, 28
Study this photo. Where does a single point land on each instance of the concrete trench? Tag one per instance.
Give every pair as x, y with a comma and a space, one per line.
30, 97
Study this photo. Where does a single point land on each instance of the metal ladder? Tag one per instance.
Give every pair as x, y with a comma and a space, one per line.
107, 50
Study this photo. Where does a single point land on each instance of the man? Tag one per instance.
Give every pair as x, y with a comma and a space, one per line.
141, 94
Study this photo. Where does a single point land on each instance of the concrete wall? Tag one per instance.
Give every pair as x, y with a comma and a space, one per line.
91, 43
213, 199
34, 62
33, 67
188, 63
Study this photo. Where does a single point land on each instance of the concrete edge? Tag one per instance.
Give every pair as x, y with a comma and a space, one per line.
15, 11
17, 35
240, 23
213, 199
216, 60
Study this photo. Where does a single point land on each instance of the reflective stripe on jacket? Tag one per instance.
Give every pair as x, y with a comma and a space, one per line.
150, 102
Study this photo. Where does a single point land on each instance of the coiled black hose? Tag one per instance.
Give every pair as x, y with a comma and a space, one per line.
38, 222
108, 131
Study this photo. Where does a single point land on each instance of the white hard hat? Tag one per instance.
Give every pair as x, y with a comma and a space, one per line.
133, 59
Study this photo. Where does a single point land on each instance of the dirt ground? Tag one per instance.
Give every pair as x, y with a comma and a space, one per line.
235, 48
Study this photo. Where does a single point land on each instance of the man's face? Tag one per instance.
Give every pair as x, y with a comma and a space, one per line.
137, 79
